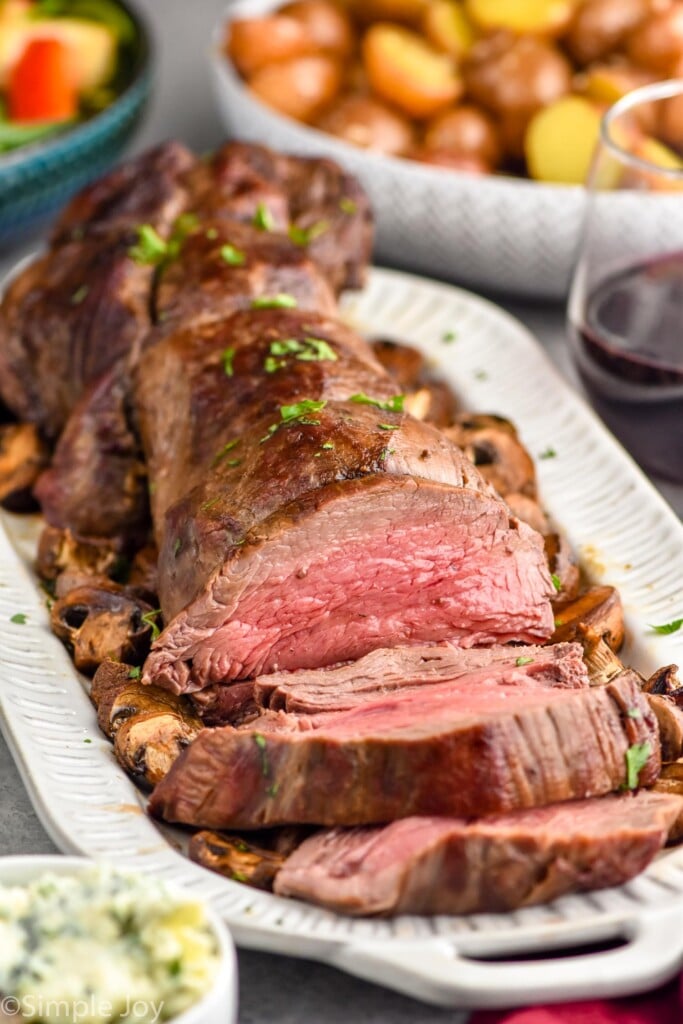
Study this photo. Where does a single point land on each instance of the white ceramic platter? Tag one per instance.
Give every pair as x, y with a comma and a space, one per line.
625, 534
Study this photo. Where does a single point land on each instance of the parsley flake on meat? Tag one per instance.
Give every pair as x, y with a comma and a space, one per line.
394, 404
263, 218
79, 295
223, 452
557, 582
150, 247
523, 661
280, 301
232, 255
227, 357
299, 411
636, 758
347, 205
304, 236
149, 619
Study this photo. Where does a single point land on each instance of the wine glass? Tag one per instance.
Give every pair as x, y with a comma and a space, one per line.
625, 314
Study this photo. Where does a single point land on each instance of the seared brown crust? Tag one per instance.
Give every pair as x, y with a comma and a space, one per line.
570, 747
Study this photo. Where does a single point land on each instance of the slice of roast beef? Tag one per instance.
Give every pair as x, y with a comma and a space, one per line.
294, 535
402, 668
424, 865
96, 485
65, 321
461, 750
147, 189
224, 266
325, 209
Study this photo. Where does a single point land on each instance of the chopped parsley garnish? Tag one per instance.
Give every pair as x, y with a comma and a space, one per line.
300, 410
272, 790
549, 453
135, 672
232, 255
79, 295
177, 547
87, 740
636, 758
448, 337
19, 619
149, 619
523, 661
263, 218
205, 506
388, 426
481, 375
557, 582
304, 236
212, 234
634, 713
260, 741
347, 205
307, 350
668, 627
394, 404
233, 462
559, 622
280, 301
150, 247
182, 226
217, 458
239, 876
227, 356
175, 967
328, 445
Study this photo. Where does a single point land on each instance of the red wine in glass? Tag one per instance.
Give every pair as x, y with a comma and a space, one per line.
629, 353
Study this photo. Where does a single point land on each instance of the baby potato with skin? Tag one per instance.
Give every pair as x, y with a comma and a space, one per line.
561, 139
447, 27
327, 24
367, 122
599, 27
405, 70
657, 42
465, 131
299, 88
254, 43
535, 17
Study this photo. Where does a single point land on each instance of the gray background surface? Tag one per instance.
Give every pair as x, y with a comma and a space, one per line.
272, 989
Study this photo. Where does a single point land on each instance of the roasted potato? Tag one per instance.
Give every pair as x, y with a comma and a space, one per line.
447, 28
407, 12
299, 88
513, 78
327, 25
370, 124
600, 27
657, 42
465, 131
253, 43
561, 139
670, 122
535, 17
408, 72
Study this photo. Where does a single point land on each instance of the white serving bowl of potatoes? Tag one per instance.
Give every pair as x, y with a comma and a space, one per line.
439, 116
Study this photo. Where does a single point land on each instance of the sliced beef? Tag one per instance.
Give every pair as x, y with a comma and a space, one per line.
304, 542
325, 208
145, 190
457, 750
424, 865
64, 322
96, 485
225, 266
387, 671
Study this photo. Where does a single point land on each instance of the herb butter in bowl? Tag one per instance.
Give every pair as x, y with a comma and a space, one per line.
82, 941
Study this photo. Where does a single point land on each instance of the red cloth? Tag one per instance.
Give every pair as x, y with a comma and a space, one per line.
665, 1006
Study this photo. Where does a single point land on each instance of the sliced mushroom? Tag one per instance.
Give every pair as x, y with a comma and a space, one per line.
671, 781
670, 722
147, 743
530, 512
110, 679
59, 552
23, 456
233, 857
143, 576
405, 363
600, 610
426, 398
102, 620
497, 452
600, 660
666, 682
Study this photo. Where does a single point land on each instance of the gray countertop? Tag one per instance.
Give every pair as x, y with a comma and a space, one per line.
271, 988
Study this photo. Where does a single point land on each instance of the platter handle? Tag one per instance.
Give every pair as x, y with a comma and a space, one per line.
433, 970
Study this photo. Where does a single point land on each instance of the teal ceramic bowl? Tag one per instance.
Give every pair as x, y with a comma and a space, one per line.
37, 179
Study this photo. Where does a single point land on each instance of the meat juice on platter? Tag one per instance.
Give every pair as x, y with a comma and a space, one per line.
629, 352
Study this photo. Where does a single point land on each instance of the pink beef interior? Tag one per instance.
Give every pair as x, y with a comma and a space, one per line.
402, 562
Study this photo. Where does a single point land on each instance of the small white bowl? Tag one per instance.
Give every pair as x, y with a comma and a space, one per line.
219, 1005
492, 232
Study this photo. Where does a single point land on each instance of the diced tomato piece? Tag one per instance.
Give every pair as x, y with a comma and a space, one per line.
42, 83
